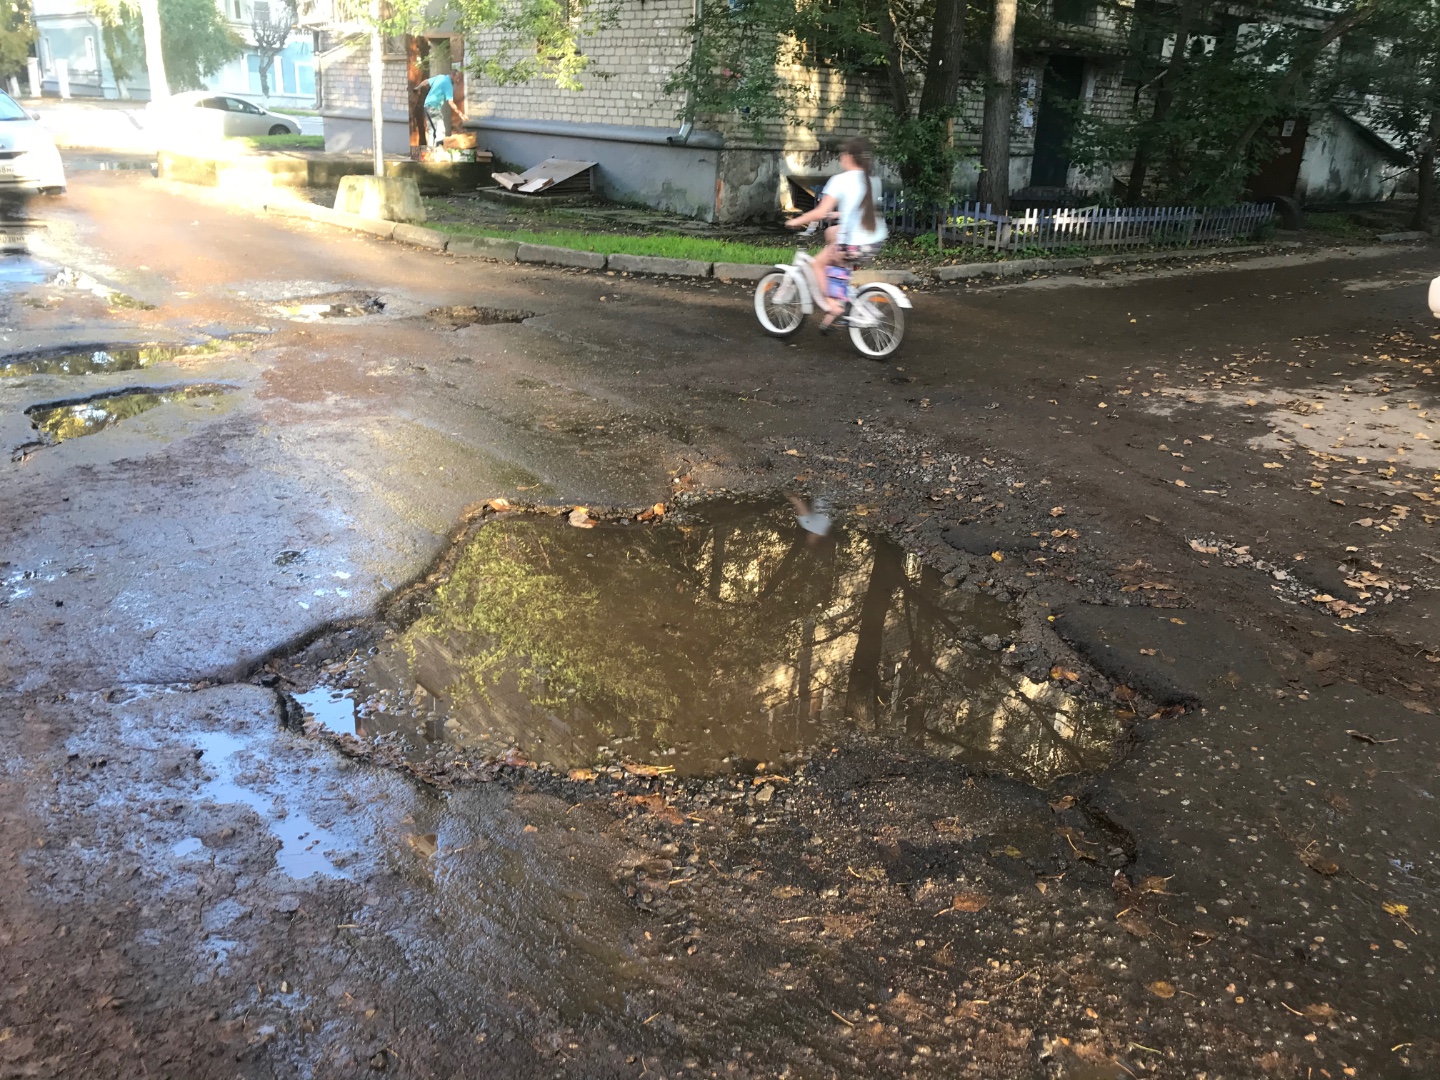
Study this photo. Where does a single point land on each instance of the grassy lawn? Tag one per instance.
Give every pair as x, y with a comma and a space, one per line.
285, 142
664, 246
294, 112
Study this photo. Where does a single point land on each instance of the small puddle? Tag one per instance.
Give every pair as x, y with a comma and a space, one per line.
303, 844
97, 360
349, 305
478, 316
725, 640
58, 423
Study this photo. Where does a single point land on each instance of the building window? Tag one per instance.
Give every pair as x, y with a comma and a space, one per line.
47, 59
90, 52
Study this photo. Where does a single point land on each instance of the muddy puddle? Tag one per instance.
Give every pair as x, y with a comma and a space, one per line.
345, 305
72, 420
469, 315
722, 642
97, 360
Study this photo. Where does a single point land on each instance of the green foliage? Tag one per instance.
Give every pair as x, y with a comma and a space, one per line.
196, 42
921, 150
538, 39
285, 142
121, 36
664, 245
16, 36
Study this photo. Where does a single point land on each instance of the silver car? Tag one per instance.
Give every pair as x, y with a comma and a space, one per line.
210, 113
29, 161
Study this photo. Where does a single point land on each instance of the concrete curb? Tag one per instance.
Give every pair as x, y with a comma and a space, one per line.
483, 247
741, 271
889, 277
558, 256
421, 237
653, 264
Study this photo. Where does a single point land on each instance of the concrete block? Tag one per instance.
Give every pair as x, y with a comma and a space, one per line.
741, 271
483, 247
420, 237
391, 198
890, 277
558, 256
649, 264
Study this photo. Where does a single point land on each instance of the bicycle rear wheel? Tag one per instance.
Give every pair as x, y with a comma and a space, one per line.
777, 304
877, 323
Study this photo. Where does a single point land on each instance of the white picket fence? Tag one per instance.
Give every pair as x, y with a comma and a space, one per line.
968, 224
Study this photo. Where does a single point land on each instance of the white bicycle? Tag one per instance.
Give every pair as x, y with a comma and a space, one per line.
874, 314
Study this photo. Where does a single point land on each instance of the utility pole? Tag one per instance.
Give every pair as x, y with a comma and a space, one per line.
154, 56
995, 136
377, 87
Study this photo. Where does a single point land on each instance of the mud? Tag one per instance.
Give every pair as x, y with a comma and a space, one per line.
1242, 891
469, 315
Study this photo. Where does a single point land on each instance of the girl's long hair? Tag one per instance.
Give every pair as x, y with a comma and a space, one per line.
859, 149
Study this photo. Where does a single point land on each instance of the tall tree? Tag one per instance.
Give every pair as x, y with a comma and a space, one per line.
196, 42
154, 49
122, 38
17, 34
270, 26
999, 88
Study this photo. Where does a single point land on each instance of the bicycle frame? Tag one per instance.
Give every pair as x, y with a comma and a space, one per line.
801, 275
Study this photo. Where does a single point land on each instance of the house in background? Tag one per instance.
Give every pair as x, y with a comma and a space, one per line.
720, 169
68, 31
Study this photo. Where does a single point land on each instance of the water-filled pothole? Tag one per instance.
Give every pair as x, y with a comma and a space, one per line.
71, 420
95, 360
469, 315
719, 642
345, 305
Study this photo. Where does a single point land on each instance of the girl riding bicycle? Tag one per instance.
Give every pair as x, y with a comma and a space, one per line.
851, 196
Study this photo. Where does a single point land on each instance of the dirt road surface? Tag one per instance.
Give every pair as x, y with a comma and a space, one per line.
1200, 500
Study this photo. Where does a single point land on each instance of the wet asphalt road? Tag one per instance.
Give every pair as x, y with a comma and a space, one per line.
151, 929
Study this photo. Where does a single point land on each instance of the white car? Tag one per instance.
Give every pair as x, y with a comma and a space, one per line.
28, 159
1435, 297
206, 112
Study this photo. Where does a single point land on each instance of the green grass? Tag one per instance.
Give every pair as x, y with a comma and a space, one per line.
285, 142
663, 246
1335, 224
294, 112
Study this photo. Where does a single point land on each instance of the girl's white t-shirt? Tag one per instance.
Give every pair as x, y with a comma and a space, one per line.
848, 188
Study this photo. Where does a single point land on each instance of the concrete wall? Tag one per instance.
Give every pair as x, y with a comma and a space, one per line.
1343, 162
345, 75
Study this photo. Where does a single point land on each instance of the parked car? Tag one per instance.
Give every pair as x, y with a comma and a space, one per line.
29, 161
205, 112
1435, 297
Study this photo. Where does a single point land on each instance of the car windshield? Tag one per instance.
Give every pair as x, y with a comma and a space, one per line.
10, 109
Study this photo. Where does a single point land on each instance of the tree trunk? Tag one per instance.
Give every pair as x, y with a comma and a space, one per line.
1164, 98
995, 136
154, 57
377, 88
942, 66
894, 66
1425, 173
266, 63
862, 688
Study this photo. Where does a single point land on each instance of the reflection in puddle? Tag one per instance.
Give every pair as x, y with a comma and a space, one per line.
333, 708
729, 640
338, 306
60, 422
303, 844
96, 361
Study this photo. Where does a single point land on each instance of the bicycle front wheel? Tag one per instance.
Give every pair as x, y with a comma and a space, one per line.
877, 323
777, 304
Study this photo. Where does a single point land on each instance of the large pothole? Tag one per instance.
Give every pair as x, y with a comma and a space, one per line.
730, 639
470, 315
71, 420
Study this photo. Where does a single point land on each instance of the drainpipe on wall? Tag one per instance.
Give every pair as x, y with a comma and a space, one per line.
687, 125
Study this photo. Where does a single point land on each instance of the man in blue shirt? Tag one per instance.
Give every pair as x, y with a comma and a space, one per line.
439, 91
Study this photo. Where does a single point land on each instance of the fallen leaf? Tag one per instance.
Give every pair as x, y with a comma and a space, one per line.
581, 519
1132, 923
1321, 865
1178, 622
1400, 911
1148, 652
425, 845
969, 901
1065, 802
1161, 989
1204, 549
1058, 672
1057, 511
1181, 483
635, 768
1322, 1013
1152, 884
793, 453
657, 805
499, 505
582, 774
998, 556
1274, 465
